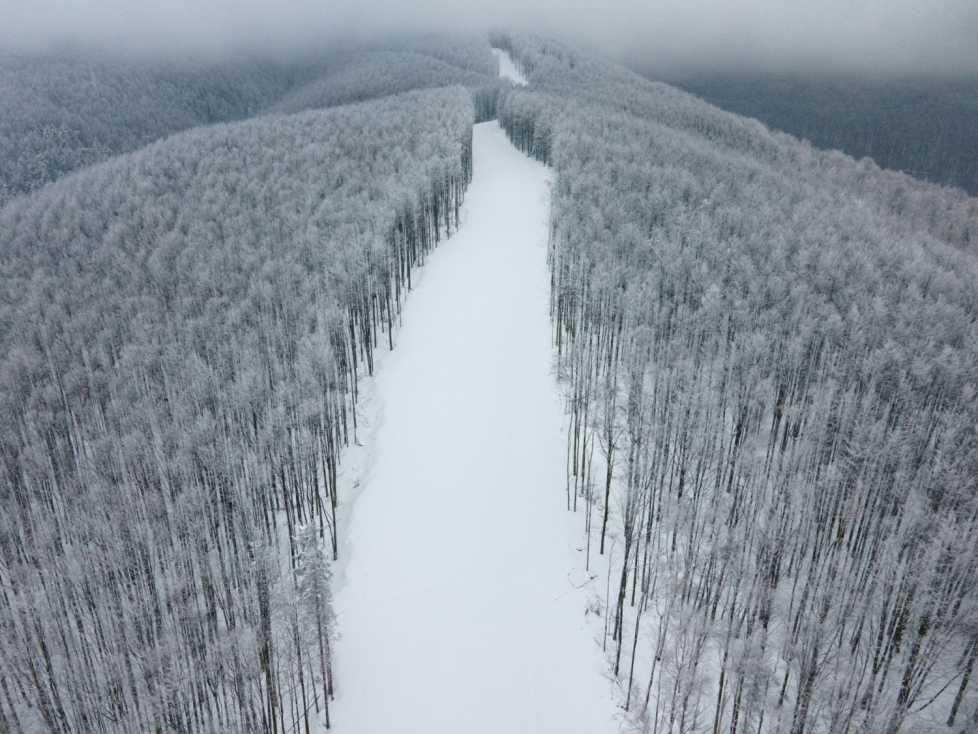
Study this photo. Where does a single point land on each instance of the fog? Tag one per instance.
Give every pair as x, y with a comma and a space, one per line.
895, 36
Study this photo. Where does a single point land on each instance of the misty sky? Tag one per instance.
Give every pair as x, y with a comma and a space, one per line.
902, 36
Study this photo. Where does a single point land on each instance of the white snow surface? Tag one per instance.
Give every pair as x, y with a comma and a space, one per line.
456, 610
507, 69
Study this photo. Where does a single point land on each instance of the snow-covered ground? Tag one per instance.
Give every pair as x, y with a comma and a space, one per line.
507, 69
457, 614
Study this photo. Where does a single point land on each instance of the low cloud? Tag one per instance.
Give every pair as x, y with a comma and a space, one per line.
895, 36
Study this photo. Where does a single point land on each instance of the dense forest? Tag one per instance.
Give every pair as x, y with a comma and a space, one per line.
912, 205
182, 332
770, 360
768, 355
924, 127
65, 112
365, 75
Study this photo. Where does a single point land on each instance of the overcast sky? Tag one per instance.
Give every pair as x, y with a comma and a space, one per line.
881, 35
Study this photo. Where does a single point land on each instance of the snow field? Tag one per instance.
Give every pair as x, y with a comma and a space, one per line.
455, 607
507, 68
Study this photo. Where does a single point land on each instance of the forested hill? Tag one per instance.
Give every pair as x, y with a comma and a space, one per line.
181, 331
770, 358
769, 355
912, 205
62, 113
925, 127
368, 74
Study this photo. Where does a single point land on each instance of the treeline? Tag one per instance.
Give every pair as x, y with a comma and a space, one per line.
912, 205
181, 334
365, 75
61, 113
924, 127
771, 390
469, 51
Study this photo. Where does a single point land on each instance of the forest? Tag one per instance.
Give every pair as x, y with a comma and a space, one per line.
770, 358
367, 75
64, 112
923, 126
69, 110
767, 354
182, 333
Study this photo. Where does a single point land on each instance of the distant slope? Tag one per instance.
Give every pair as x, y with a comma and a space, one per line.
508, 69
370, 74
926, 128
469, 51
917, 206
63, 113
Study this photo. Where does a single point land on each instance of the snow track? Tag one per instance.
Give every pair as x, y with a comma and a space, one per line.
456, 611
508, 69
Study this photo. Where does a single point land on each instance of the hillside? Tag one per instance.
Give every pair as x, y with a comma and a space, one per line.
674, 431
776, 362
908, 203
64, 113
924, 127
182, 332
370, 74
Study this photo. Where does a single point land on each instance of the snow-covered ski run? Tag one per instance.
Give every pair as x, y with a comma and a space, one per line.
508, 69
456, 611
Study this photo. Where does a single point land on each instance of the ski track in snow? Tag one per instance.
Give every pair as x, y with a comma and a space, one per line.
507, 69
455, 606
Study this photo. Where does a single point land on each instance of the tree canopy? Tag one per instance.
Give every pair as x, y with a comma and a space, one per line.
775, 352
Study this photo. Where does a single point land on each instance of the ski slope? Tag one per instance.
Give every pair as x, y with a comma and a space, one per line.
455, 607
507, 69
